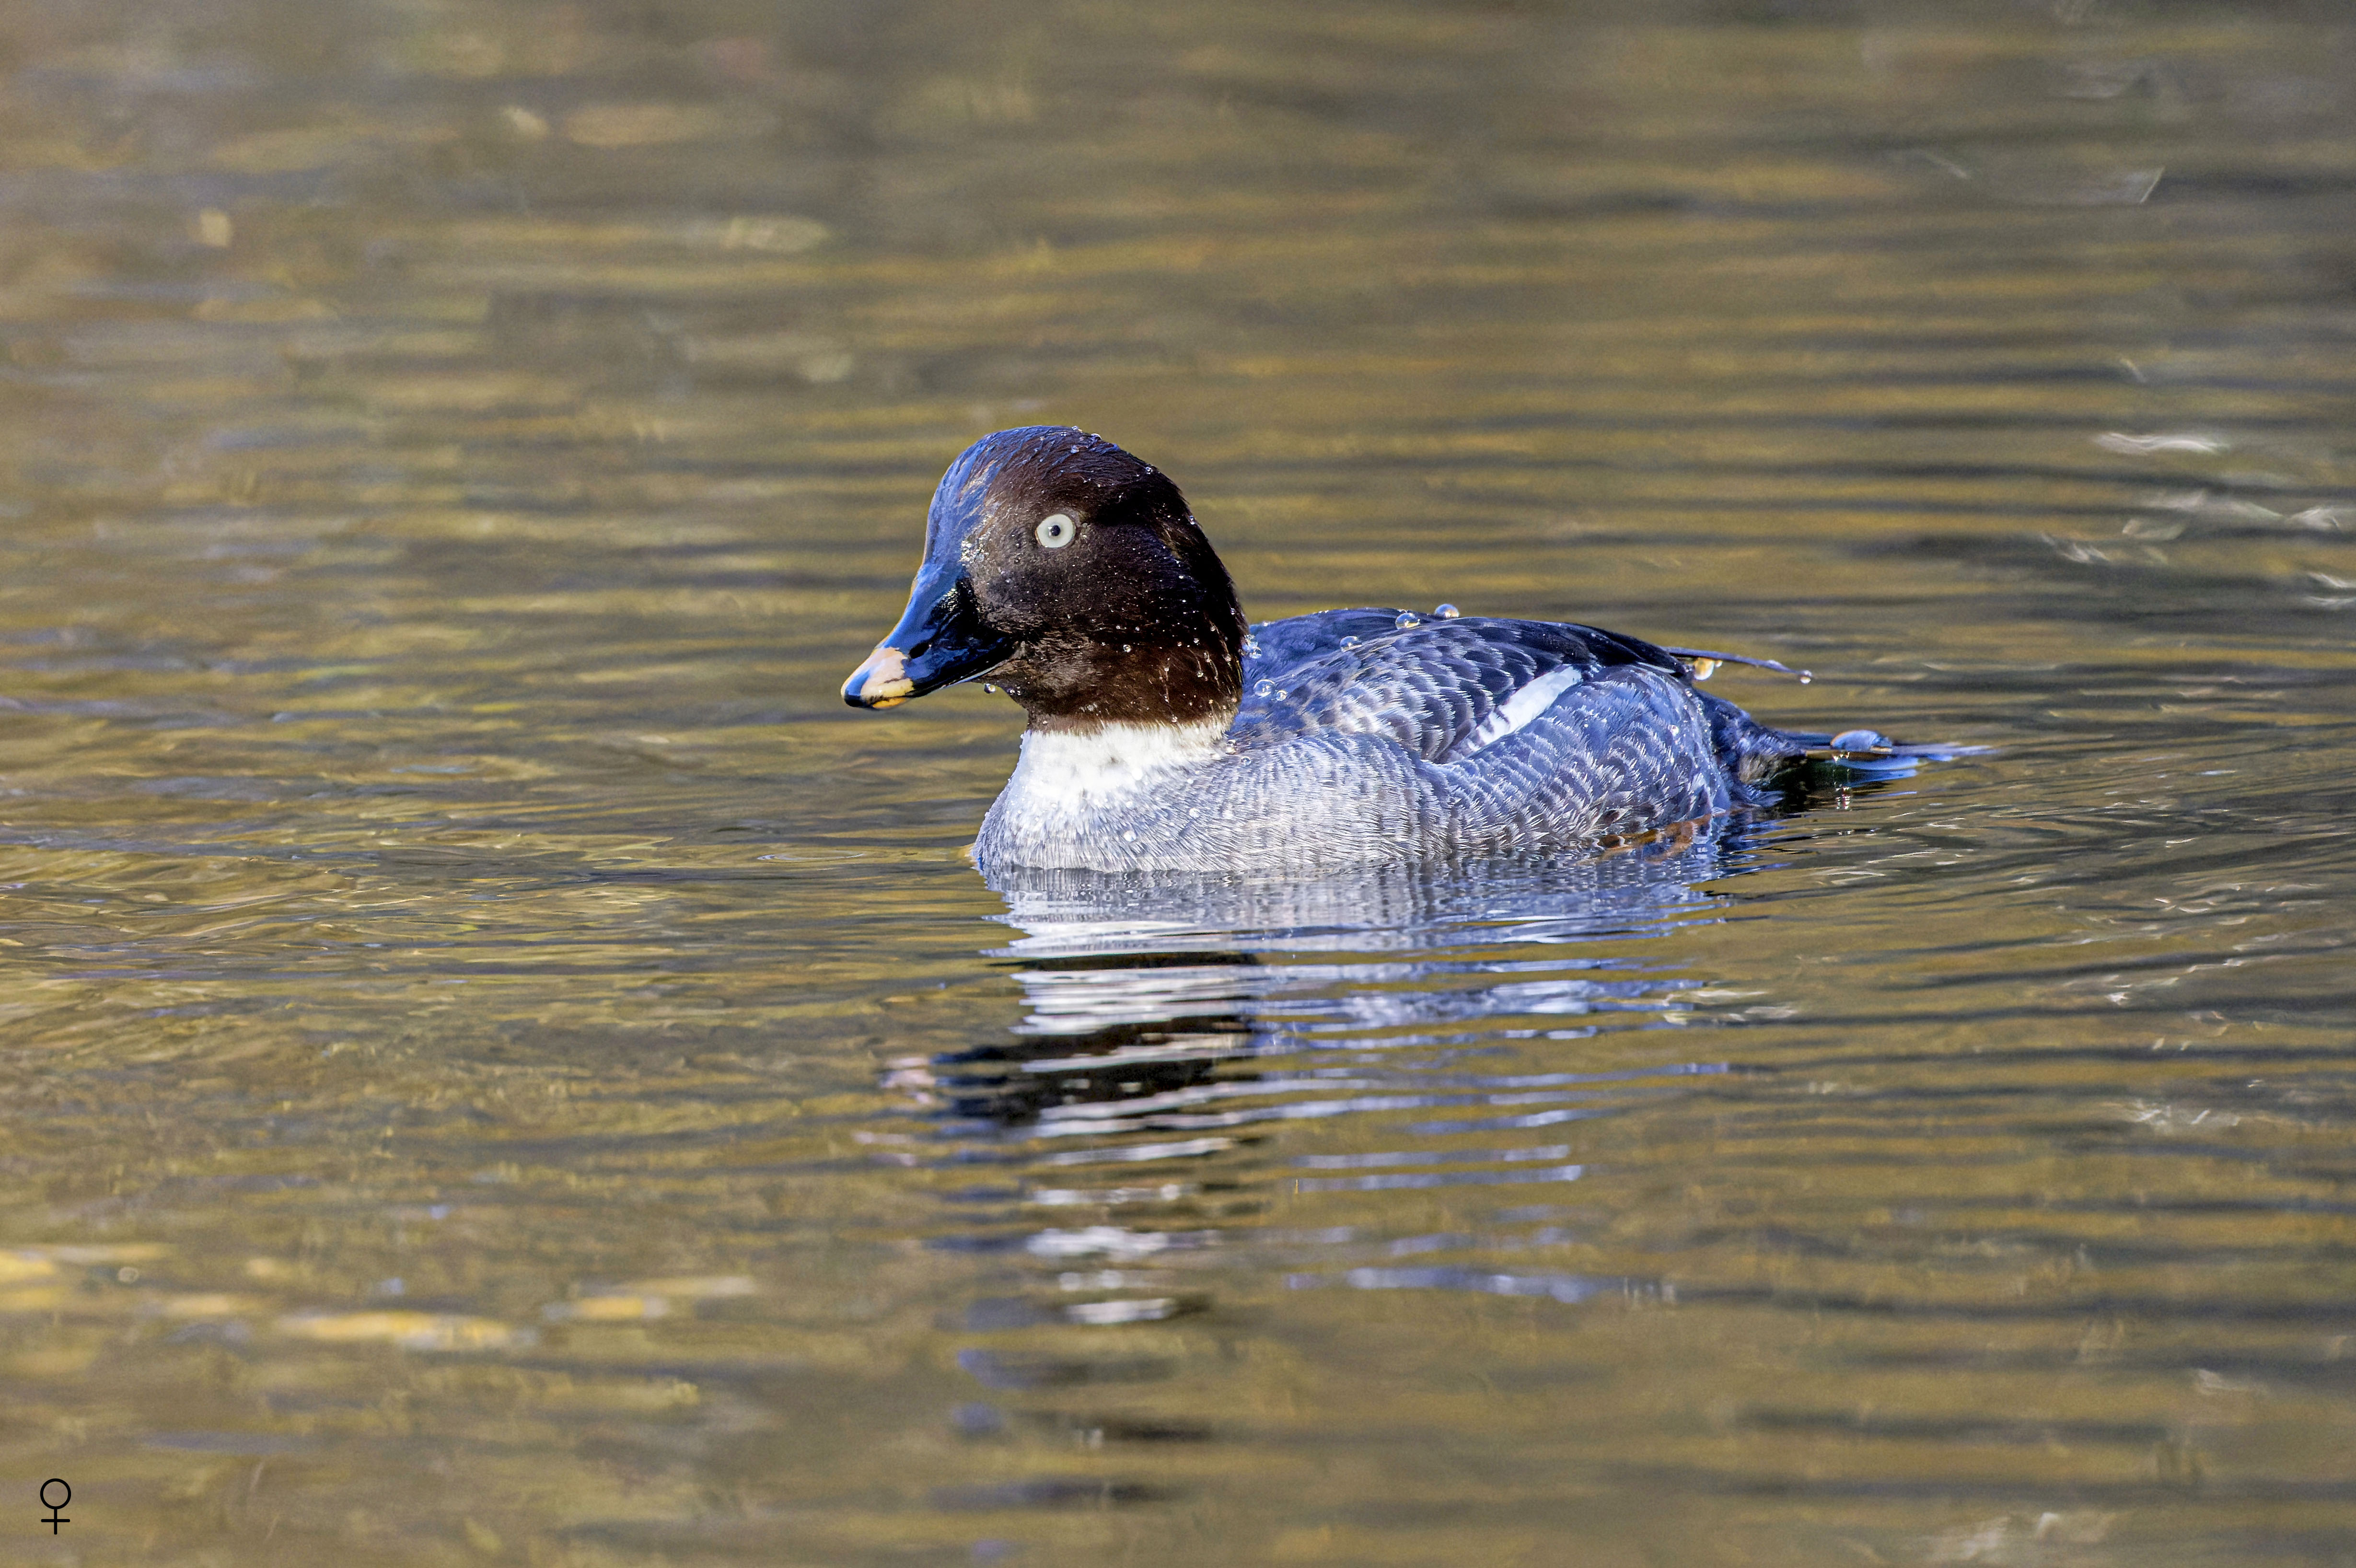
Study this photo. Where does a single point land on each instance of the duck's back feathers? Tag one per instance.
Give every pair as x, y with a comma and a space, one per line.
1443, 689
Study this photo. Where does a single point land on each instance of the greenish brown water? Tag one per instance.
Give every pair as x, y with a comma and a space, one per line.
501, 1065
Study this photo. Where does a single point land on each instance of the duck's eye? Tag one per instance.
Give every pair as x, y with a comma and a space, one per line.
1056, 530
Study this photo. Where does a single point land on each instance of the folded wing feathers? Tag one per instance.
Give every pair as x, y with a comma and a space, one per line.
1446, 690
1517, 710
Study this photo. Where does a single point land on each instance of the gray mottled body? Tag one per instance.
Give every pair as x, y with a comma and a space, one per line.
1360, 742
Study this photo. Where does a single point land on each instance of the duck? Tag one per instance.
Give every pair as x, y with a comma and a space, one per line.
1165, 733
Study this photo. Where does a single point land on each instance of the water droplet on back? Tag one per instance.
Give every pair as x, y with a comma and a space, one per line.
1349, 642
1265, 689
1408, 619
1446, 612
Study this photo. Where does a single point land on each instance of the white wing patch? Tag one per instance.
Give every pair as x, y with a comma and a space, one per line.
1516, 711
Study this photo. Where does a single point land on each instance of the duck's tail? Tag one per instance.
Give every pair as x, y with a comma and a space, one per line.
1759, 754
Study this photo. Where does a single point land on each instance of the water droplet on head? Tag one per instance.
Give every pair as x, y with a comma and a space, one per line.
1265, 689
1408, 619
1349, 642
1446, 612
1252, 646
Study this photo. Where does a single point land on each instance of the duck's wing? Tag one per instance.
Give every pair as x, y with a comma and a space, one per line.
1443, 689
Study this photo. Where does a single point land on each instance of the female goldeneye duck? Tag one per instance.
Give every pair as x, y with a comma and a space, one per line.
1166, 733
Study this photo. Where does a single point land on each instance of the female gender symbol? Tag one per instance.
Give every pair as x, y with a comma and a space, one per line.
54, 1517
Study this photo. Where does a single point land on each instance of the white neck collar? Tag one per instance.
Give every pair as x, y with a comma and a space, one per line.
1079, 768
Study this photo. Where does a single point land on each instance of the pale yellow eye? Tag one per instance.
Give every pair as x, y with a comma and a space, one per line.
1056, 530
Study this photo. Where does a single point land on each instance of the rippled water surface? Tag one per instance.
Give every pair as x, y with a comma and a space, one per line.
501, 1065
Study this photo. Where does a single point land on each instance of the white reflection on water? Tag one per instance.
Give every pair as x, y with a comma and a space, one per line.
1163, 1002
1198, 1028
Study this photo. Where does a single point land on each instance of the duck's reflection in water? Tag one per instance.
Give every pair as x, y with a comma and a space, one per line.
1185, 1004
1224, 1089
